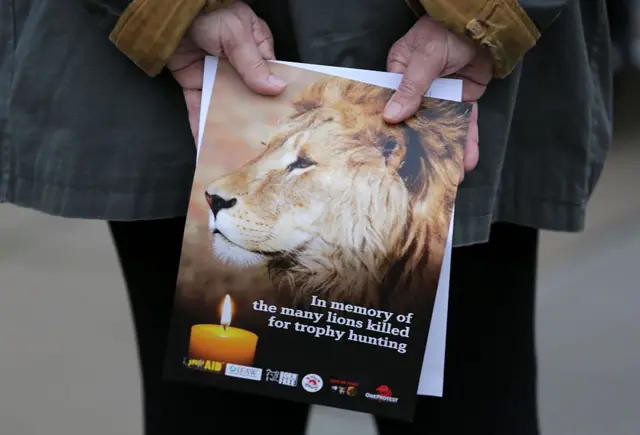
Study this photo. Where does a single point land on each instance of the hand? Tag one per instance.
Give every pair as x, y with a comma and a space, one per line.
429, 51
236, 33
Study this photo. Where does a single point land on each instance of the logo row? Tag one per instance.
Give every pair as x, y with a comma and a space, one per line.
311, 383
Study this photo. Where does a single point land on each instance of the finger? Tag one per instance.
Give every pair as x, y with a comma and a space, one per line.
247, 60
264, 39
472, 150
477, 75
480, 69
398, 57
471, 91
193, 98
423, 68
187, 69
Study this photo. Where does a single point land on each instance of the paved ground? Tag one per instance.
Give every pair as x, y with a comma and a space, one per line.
73, 372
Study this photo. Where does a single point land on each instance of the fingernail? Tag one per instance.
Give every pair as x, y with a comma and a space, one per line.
276, 81
392, 110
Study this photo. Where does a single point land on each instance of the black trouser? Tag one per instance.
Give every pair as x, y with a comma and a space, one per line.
490, 376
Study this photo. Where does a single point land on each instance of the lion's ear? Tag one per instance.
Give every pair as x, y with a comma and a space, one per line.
410, 160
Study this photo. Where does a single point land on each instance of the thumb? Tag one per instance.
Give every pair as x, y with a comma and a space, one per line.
398, 57
422, 70
264, 39
247, 60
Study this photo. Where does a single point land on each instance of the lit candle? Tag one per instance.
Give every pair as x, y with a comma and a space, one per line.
223, 343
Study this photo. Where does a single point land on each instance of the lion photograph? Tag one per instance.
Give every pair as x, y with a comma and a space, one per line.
313, 193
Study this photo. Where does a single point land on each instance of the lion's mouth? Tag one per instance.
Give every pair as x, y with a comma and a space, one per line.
231, 242
226, 239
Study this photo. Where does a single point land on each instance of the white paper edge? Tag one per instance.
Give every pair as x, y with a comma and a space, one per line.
432, 373
444, 89
210, 69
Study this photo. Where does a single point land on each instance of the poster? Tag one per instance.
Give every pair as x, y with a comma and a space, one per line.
314, 242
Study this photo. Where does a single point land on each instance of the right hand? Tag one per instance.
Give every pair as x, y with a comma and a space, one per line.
236, 33
428, 50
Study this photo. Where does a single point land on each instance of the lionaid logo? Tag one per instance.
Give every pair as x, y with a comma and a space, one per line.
204, 365
243, 372
383, 394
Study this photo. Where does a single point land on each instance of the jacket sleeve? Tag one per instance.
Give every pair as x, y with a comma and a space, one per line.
149, 31
502, 26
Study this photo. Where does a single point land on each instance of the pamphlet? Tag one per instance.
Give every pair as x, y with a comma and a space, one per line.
316, 253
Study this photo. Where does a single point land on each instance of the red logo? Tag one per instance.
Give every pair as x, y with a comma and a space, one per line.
384, 391
383, 394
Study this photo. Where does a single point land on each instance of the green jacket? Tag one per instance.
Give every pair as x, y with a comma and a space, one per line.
85, 132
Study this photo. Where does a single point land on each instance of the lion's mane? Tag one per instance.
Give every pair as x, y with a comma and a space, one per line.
426, 151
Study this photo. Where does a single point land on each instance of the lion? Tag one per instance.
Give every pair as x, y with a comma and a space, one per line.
342, 205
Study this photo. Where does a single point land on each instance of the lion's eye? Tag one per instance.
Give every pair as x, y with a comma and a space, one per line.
301, 163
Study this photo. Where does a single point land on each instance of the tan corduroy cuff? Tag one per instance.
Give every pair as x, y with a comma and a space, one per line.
500, 25
149, 31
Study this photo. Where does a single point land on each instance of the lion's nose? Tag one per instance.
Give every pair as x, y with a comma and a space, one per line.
217, 203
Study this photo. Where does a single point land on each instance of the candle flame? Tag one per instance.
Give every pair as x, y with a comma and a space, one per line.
225, 319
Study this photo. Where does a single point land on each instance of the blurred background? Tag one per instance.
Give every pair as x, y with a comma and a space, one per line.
65, 371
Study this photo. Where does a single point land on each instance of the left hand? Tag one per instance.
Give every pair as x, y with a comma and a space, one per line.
234, 32
428, 51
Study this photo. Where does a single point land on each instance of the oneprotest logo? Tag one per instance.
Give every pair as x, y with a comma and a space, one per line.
312, 383
383, 394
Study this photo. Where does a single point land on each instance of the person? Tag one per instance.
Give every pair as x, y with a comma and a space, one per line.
98, 112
